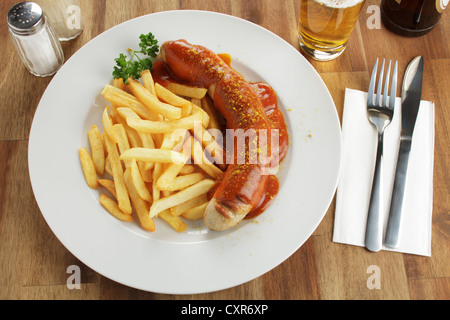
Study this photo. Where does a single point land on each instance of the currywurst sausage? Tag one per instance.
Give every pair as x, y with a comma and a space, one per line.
244, 183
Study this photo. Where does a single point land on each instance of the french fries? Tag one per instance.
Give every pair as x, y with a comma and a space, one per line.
113, 208
184, 181
138, 182
139, 204
149, 84
166, 178
153, 155
190, 204
152, 103
195, 213
108, 124
88, 168
199, 156
117, 171
146, 158
187, 91
208, 106
173, 200
98, 150
121, 98
148, 126
170, 97
108, 185
175, 222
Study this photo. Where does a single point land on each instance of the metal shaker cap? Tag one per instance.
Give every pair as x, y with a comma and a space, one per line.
25, 17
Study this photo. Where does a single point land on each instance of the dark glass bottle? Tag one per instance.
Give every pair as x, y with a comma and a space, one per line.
412, 18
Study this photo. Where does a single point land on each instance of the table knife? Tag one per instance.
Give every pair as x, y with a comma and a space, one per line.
411, 96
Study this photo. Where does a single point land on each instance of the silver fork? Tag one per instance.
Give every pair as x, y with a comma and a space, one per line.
380, 113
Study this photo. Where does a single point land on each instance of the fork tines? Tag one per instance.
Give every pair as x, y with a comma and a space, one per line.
378, 102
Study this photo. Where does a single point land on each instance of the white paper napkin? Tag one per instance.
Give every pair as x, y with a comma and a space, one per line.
358, 163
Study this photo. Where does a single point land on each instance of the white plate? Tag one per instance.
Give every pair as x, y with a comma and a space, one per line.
200, 260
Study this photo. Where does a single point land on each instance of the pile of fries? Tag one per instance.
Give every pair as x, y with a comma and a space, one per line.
149, 158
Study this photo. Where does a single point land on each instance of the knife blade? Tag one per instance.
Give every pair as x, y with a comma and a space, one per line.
411, 96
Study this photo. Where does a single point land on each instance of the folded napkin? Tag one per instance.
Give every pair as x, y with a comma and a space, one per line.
358, 163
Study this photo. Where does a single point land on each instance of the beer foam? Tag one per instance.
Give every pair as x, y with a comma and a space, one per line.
339, 4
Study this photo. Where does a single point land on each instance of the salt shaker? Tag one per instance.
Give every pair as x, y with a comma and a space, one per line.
34, 39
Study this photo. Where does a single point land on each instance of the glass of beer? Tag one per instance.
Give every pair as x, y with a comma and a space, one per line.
325, 26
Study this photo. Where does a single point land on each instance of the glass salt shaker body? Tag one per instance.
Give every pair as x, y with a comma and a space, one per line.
34, 39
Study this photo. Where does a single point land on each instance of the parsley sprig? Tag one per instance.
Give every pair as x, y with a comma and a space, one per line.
133, 65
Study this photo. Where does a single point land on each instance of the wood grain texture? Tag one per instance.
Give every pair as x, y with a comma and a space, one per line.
33, 262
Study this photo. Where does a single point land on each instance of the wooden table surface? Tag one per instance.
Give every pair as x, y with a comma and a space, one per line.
33, 262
